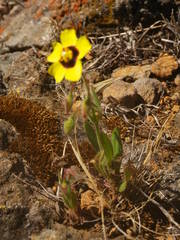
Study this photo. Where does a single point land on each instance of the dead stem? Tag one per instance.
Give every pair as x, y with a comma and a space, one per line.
121, 231
124, 48
155, 144
163, 210
95, 188
43, 192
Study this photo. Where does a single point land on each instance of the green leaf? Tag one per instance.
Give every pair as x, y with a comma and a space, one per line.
116, 143
107, 147
105, 167
123, 186
70, 200
91, 134
97, 160
69, 125
95, 99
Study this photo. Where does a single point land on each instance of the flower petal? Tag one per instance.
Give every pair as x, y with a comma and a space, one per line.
84, 46
56, 53
74, 74
57, 71
68, 37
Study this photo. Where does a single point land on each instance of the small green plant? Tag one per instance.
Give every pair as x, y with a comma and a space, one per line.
66, 58
68, 193
107, 149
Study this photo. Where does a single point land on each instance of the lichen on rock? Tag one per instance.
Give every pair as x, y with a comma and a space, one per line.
40, 133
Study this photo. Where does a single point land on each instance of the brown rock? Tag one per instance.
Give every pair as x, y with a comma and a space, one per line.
123, 93
149, 89
164, 66
132, 71
177, 80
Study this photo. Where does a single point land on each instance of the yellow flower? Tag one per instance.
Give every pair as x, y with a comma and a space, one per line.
66, 56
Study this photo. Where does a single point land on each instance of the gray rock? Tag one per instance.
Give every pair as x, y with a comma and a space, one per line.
149, 89
123, 93
6, 60
62, 232
23, 73
47, 234
23, 31
39, 215
170, 183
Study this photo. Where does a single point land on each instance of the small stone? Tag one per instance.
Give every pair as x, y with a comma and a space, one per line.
7, 134
123, 93
164, 66
149, 89
177, 80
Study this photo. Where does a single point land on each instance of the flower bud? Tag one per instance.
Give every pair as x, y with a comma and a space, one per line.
68, 102
69, 125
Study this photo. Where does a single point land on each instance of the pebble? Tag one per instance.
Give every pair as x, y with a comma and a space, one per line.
177, 80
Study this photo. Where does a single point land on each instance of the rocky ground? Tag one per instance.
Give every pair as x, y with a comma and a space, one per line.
134, 66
